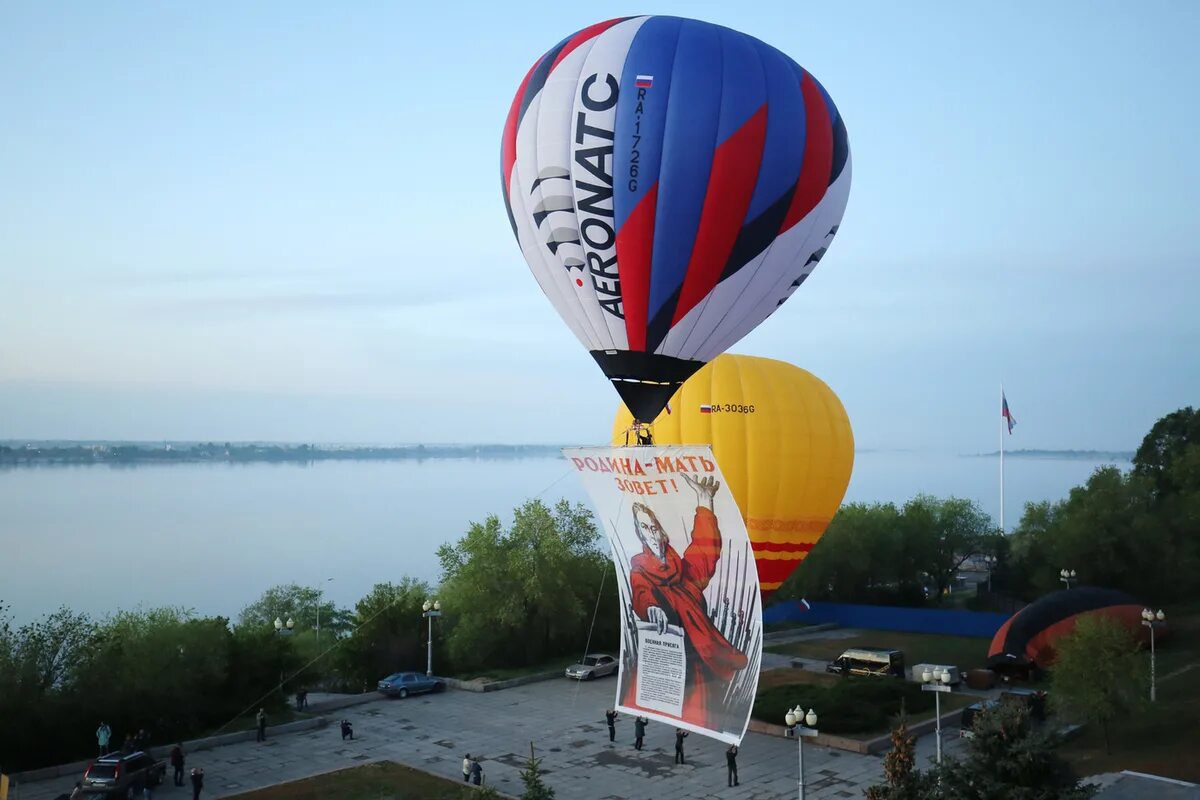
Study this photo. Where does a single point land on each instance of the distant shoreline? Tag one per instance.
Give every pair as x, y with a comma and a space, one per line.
34, 453
1061, 455
42, 452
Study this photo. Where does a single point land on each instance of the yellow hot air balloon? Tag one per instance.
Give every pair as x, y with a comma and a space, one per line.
784, 444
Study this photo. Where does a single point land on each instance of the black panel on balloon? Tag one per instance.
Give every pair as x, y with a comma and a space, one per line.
645, 381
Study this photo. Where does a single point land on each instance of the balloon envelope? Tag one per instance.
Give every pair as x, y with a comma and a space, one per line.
670, 182
784, 444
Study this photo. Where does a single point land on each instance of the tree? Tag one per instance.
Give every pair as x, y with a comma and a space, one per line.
902, 781
943, 534
531, 776
1167, 442
1099, 674
389, 632
298, 603
523, 595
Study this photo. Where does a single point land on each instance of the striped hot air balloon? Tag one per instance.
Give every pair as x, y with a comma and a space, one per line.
670, 182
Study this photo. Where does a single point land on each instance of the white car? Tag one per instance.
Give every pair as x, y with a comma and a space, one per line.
593, 665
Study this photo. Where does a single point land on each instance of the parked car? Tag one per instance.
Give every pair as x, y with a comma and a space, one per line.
868, 661
123, 775
593, 665
402, 684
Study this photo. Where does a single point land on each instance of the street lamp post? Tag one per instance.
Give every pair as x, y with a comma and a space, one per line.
937, 681
802, 725
432, 608
1150, 619
1066, 576
283, 629
320, 595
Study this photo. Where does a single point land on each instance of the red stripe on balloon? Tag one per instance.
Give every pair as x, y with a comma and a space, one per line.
508, 144
730, 188
583, 36
818, 154
635, 250
781, 547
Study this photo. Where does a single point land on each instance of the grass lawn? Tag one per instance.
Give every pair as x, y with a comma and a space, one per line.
497, 674
964, 652
858, 708
380, 781
1163, 739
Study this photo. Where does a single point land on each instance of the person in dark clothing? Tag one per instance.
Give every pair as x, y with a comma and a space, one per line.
639, 732
197, 782
347, 730
476, 772
610, 717
680, 734
177, 763
127, 746
261, 719
141, 741
731, 764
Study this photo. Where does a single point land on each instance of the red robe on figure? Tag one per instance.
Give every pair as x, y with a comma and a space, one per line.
677, 585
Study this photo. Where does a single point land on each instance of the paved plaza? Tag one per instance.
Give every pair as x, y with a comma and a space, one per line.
564, 720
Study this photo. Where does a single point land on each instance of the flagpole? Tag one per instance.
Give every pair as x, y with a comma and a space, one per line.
1003, 423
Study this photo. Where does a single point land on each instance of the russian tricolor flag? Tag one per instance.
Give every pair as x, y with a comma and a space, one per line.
644, 81
706, 409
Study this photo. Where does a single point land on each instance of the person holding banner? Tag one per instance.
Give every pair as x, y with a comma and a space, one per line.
610, 717
667, 591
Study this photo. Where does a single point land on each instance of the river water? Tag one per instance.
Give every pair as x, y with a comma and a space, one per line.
212, 536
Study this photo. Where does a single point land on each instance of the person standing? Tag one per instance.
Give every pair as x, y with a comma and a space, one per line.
261, 719
177, 760
103, 736
680, 734
731, 764
476, 772
197, 782
610, 717
466, 768
639, 732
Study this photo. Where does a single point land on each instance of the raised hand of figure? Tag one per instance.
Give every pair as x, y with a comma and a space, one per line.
705, 489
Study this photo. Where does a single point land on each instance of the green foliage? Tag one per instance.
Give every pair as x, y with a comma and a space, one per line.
880, 554
1099, 675
1008, 759
1139, 531
300, 604
902, 781
1170, 444
389, 633
852, 705
531, 776
525, 595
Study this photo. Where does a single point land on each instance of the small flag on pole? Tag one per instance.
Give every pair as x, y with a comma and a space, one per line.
1004, 412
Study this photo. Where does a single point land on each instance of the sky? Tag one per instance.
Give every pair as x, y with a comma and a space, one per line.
283, 221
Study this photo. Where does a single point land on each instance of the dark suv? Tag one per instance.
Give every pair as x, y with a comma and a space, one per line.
123, 775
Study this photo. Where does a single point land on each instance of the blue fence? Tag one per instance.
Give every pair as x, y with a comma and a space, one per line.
889, 618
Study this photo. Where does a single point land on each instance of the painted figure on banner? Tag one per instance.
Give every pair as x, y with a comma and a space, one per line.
668, 592
691, 634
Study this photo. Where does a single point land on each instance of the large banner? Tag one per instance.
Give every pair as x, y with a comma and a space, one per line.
691, 642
